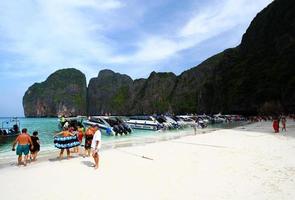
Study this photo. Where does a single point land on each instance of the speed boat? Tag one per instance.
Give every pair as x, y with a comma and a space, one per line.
111, 125
10, 128
184, 120
167, 122
218, 118
144, 122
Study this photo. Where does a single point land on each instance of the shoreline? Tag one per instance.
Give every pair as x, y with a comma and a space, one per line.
52, 154
125, 142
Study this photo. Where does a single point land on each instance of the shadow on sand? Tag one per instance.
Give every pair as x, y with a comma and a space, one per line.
54, 159
87, 163
64, 158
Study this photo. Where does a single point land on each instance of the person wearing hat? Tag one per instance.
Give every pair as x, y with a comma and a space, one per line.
96, 145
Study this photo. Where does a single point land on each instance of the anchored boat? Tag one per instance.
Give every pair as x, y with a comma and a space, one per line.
144, 122
111, 125
10, 128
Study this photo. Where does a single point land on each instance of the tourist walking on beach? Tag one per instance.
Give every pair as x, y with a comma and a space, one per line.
36, 145
88, 139
275, 125
284, 124
95, 146
65, 133
23, 142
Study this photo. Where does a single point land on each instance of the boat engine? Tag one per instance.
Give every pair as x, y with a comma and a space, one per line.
126, 127
118, 129
123, 129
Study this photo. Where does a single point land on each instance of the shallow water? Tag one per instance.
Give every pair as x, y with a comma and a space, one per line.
47, 127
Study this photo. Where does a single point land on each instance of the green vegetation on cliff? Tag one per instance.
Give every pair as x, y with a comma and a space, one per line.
63, 93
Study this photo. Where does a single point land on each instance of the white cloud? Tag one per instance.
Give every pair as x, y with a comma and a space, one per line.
56, 32
74, 33
95, 4
210, 22
152, 48
221, 17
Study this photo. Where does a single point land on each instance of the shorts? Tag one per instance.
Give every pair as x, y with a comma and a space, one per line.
88, 143
22, 149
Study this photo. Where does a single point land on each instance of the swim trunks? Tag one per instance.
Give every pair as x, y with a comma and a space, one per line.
22, 149
88, 141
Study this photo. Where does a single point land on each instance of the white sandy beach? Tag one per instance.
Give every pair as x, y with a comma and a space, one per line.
248, 162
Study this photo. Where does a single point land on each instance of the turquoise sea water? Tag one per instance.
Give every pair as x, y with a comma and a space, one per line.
47, 127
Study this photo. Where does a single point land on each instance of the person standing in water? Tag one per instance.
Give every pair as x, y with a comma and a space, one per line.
96, 145
23, 142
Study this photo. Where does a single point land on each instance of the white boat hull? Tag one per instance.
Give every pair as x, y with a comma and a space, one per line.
143, 126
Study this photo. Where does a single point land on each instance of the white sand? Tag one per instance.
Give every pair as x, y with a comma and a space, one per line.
244, 163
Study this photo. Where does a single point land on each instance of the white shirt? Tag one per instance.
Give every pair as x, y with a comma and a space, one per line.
96, 137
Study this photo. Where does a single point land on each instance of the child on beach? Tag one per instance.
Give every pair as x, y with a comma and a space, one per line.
36, 145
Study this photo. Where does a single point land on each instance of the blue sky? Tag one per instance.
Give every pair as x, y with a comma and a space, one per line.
38, 37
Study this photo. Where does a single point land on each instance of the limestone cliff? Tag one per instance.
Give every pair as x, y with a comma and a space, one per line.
259, 72
109, 93
63, 93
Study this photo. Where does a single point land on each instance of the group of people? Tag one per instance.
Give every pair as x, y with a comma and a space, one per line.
277, 121
27, 145
72, 138
276, 124
69, 139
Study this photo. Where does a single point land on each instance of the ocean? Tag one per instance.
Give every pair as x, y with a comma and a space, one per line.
47, 127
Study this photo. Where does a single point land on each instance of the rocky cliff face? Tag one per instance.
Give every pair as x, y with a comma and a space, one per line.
155, 94
257, 74
63, 93
267, 56
110, 92
118, 94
